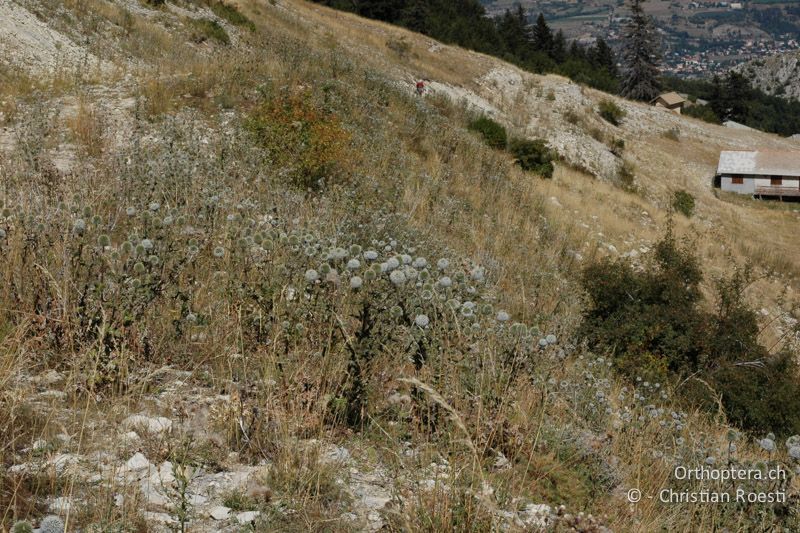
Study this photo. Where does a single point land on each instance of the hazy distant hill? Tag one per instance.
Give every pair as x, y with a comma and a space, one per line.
778, 75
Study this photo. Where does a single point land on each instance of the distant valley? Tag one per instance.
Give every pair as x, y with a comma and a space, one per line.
698, 37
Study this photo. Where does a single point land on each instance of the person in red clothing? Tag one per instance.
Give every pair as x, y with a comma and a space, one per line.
420, 87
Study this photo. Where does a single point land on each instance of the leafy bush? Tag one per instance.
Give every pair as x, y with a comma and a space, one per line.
492, 131
307, 140
653, 324
231, 14
533, 155
207, 29
611, 112
703, 112
683, 202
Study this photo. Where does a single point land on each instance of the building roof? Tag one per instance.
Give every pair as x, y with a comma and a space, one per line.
766, 163
670, 99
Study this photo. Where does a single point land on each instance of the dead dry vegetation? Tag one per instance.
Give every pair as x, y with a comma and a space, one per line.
251, 282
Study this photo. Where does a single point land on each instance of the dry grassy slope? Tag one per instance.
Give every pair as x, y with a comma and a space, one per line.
473, 201
554, 108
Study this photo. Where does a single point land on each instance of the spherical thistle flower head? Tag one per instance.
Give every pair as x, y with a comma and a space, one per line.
154, 206
542, 343
311, 275
147, 244
502, 316
370, 255
420, 263
299, 328
442, 263
2, 233
551, 339
87, 211
79, 226
356, 282
794, 440
767, 444
426, 294
325, 269
392, 263
397, 277
191, 317
338, 254
370, 275
355, 250
424, 275
445, 282
453, 304
96, 220
406, 259
422, 321
478, 274
794, 452
219, 251
396, 311
154, 260
518, 329
51, 524
193, 249
168, 220
136, 283
732, 435
103, 241
294, 240
710, 460
139, 267
353, 264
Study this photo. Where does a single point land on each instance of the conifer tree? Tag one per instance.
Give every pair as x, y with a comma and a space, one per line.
641, 56
542, 35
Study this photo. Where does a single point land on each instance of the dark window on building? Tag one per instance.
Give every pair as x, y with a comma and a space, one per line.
737, 180
775, 181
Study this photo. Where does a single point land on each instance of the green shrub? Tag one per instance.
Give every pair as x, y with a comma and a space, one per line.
703, 112
654, 324
231, 14
611, 112
533, 155
309, 142
205, 29
683, 202
492, 131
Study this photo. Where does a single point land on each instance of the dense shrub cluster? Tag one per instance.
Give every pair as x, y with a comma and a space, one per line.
653, 324
492, 131
611, 112
208, 29
683, 202
230, 13
304, 137
533, 155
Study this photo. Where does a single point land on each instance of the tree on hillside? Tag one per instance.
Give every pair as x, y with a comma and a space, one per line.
602, 56
542, 35
515, 33
641, 56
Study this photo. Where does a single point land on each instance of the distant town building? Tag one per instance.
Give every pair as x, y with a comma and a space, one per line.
672, 101
760, 173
